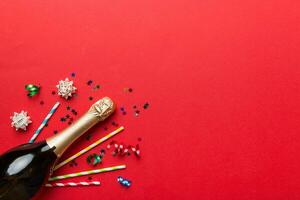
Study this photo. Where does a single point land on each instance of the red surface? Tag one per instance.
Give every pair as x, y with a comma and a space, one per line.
222, 79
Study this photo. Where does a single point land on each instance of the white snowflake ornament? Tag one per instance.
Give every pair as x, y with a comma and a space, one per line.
20, 120
65, 88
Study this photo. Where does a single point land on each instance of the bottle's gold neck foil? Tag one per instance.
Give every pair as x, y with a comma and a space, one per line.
99, 111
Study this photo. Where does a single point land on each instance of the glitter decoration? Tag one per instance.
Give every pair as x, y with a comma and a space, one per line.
146, 105
102, 151
20, 120
136, 113
94, 159
89, 82
88, 137
126, 89
124, 182
123, 111
97, 87
114, 123
74, 112
32, 89
66, 88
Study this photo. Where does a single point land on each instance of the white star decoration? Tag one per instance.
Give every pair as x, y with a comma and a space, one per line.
65, 88
20, 120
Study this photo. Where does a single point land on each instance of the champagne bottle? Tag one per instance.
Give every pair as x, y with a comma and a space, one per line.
25, 168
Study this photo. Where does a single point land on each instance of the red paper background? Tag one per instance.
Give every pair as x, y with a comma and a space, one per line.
222, 79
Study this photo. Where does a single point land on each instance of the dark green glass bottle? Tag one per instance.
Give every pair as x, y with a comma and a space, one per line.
23, 170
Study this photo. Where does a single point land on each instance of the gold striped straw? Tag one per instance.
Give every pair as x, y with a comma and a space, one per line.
89, 147
96, 171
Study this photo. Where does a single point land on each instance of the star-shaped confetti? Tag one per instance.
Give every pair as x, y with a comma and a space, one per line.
20, 120
65, 88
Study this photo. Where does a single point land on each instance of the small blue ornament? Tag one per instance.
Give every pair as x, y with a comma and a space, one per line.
124, 182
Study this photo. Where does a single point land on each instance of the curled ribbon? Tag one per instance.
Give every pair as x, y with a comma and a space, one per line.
94, 159
32, 89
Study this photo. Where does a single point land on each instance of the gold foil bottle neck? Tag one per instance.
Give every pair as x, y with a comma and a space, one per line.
99, 111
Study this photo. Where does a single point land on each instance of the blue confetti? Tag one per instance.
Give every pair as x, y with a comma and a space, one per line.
124, 182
